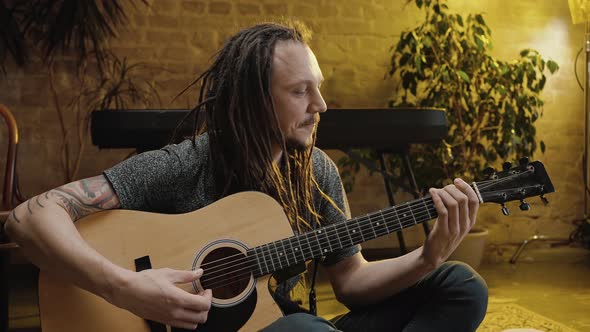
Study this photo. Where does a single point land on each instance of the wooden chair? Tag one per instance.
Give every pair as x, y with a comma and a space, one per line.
10, 196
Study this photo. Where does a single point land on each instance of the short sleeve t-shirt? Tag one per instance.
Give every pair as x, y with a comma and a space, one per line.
179, 178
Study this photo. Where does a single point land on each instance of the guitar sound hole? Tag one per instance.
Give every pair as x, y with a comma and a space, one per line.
226, 272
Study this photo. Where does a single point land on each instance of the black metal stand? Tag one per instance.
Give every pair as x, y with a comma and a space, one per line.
536, 238
388, 178
409, 173
389, 190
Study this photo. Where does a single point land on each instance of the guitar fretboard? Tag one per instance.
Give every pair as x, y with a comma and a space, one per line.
278, 255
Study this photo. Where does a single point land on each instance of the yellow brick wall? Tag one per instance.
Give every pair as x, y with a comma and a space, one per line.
351, 40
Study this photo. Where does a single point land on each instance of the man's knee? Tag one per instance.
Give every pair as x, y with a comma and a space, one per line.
300, 322
465, 284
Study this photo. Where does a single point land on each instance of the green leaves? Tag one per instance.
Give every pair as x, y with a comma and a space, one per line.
464, 76
491, 104
552, 66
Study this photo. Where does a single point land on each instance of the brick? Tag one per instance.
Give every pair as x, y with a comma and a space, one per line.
175, 53
350, 11
193, 7
248, 9
165, 6
163, 21
126, 34
166, 37
219, 8
136, 53
139, 20
304, 11
208, 40
328, 10
278, 9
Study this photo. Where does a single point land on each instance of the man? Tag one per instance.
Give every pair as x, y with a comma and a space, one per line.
262, 101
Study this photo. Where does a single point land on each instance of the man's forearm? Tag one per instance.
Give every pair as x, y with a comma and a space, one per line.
372, 282
47, 236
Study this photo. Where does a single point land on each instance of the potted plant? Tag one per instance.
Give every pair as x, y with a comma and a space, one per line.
79, 29
491, 105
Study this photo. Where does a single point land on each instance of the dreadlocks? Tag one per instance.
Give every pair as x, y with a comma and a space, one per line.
242, 124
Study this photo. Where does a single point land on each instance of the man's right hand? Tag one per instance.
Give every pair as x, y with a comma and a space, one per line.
153, 294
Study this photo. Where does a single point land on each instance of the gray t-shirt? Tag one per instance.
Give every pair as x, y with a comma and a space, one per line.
179, 178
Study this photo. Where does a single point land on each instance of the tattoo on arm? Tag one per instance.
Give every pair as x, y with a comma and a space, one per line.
13, 215
84, 197
29, 206
37, 200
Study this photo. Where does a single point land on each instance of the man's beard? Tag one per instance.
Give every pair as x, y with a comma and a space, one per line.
296, 145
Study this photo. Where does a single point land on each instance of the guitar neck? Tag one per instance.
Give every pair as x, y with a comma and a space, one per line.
281, 254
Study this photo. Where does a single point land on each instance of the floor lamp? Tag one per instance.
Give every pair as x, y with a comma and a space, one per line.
580, 12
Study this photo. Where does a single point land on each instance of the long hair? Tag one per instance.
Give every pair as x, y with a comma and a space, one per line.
242, 123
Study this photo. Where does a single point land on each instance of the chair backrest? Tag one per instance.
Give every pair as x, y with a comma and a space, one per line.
9, 188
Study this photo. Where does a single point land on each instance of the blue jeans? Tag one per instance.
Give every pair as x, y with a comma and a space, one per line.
451, 298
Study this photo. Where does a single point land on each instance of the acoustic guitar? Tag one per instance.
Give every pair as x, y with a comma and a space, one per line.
238, 241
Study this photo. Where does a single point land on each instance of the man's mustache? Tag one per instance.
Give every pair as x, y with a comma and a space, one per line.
310, 121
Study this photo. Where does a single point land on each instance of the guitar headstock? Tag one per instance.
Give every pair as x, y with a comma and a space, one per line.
516, 182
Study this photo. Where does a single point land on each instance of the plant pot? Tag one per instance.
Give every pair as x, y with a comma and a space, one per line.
471, 249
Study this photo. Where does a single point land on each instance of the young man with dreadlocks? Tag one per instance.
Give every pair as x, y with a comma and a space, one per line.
262, 101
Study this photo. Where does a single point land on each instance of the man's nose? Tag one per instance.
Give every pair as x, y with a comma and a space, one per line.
318, 105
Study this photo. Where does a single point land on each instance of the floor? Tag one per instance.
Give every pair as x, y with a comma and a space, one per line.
552, 282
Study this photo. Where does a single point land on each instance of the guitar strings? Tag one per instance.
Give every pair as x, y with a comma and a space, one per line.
329, 239
212, 279
248, 259
213, 283
362, 228
400, 209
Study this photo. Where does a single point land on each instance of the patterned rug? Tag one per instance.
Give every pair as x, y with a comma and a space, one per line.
506, 316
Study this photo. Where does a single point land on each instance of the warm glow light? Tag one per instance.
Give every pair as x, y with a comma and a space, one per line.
579, 10
552, 33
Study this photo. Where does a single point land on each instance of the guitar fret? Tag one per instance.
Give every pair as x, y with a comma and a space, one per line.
426, 208
283, 253
348, 237
258, 261
384, 222
397, 218
299, 249
337, 230
319, 249
378, 226
270, 256
326, 239
311, 255
372, 226
357, 231
367, 232
276, 251
290, 240
404, 216
412, 213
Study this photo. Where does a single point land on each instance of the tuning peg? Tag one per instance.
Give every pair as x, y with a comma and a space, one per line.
505, 210
507, 165
488, 172
524, 206
545, 200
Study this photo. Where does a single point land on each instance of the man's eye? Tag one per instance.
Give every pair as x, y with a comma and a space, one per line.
300, 92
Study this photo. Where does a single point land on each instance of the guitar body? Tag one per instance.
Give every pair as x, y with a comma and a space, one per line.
181, 242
